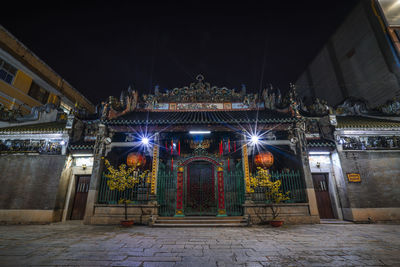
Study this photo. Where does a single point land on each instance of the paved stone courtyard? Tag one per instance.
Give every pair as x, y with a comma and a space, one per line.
294, 245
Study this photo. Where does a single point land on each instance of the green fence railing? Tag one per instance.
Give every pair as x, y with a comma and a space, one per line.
139, 194
166, 192
234, 192
291, 181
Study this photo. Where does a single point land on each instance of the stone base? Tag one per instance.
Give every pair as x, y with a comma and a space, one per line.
295, 213
30, 216
372, 214
113, 214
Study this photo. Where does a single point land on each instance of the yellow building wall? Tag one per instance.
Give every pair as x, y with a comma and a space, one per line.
16, 93
19, 90
54, 99
21, 53
22, 81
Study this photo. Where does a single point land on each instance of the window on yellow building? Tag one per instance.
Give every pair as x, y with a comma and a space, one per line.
7, 72
38, 93
66, 108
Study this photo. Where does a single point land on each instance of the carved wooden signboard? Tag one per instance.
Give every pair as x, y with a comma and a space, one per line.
354, 177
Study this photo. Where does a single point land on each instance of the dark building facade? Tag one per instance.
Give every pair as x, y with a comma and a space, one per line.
361, 60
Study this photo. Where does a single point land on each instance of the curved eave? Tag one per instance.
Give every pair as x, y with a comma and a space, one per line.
81, 147
162, 122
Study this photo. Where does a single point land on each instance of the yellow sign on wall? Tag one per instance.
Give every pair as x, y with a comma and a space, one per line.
354, 177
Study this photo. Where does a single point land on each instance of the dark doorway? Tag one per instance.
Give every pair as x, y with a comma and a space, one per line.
81, 192
321, 187
200, 190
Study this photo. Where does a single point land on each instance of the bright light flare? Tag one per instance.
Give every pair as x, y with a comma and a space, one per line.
145, 141
254, 139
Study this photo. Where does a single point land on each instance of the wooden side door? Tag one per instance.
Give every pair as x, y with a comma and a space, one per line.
81, 192
321, 187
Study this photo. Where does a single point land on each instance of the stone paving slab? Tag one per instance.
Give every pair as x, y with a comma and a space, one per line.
74, 244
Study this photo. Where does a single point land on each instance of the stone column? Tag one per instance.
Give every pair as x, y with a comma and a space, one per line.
154, 174
154, 168
303, 155
179, 193
221, 192
245, 161
246, 173
97, 171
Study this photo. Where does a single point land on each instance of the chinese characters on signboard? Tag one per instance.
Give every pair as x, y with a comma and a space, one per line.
354, 177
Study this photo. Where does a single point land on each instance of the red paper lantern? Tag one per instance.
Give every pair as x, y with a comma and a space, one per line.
264, 159
135, 160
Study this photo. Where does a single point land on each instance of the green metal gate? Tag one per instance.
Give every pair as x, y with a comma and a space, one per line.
234, 191
233, 187
166, 193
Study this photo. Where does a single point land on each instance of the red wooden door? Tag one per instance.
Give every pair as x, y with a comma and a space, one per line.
81, 192
321, 188
200, 196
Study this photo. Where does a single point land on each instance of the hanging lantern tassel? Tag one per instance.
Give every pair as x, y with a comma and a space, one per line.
220, 148
229, 146
234, 146
172, 146
172, 164
166, 146
179, 148
229, 165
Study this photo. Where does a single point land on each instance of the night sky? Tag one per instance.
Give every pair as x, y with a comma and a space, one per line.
101, 48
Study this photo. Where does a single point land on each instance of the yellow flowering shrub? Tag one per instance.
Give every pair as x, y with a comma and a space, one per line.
123, 177
273, 190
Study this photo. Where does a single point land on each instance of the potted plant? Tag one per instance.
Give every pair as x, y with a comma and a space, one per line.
122, 179
273, 193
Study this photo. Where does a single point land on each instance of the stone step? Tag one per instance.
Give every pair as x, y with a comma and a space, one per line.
203, 218
200, 221
199, 225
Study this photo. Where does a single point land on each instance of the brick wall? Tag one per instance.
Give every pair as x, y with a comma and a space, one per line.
355, 62
380, 179
30, 182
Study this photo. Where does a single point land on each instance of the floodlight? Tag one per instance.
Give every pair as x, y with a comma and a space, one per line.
145, 141
199, 132
254, 139
319, 153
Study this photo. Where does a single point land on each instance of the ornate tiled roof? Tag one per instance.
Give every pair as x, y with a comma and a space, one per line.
357, 122
202, 117
50, 127
81, 146
315, 143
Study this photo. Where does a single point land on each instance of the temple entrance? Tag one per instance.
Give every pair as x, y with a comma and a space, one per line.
200, 190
